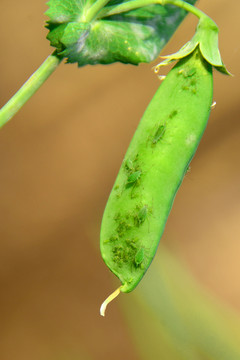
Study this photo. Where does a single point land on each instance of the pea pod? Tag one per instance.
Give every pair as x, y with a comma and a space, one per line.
153, 169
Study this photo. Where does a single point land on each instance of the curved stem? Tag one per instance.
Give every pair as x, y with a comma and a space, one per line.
92, 12
29, 88
135, 4
108, 300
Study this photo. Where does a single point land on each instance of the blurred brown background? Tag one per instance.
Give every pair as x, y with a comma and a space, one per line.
59, 158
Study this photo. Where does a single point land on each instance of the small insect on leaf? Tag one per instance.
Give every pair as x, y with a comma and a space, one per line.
129, 165
159, 134
139, 257
173, 113
141, 216
187, 73
133, 178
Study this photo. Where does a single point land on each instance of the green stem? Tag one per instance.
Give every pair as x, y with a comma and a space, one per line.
135, 4
93, 11
29, 88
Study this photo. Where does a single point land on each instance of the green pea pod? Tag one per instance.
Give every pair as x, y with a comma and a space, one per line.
153, 169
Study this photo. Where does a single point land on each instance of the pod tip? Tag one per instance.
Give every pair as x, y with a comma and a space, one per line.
108, 300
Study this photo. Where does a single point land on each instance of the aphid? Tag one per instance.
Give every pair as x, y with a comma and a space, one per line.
159, 134
142, 215
172, 114
164, 167
133, 178
122, 227
187, 73
132, 243
129, 165
139, 257
111, 239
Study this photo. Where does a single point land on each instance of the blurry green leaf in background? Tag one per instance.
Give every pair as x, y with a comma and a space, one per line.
173, 318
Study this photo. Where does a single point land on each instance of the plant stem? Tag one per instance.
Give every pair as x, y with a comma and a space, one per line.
135, 4
94, 10
29, 88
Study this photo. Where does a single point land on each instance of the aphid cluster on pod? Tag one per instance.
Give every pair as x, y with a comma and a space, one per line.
153, 168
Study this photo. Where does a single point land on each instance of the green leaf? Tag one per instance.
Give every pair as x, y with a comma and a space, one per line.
206, 37
208, 41
64, 11
132, 37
